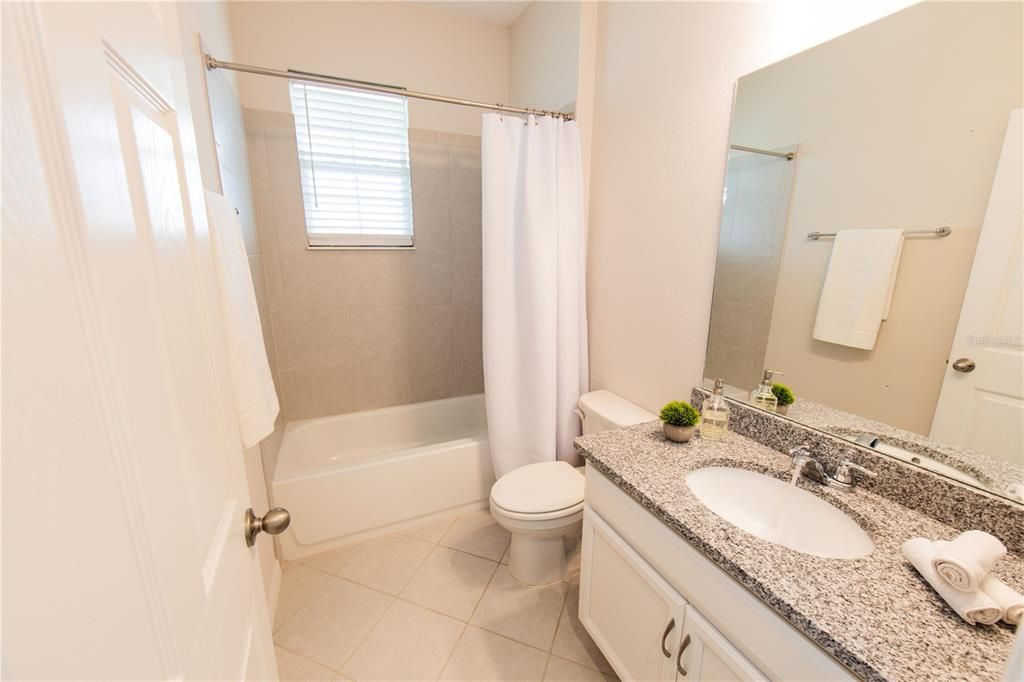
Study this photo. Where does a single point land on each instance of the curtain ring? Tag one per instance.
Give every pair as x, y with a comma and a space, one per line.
500, 118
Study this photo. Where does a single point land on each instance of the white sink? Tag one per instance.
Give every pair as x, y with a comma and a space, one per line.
780, 513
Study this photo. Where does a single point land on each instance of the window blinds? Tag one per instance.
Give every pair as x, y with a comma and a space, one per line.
354, 166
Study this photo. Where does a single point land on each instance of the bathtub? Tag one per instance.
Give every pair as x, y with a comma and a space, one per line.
352, 476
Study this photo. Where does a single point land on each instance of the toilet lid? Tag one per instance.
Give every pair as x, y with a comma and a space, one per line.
539, 488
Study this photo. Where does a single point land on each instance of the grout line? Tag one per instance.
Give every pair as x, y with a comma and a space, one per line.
311, 660
369, 631
304, 603
547, 663
451, 653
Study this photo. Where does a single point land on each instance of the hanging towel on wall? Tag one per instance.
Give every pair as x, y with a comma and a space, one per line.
858, 287
255, 396
534, 293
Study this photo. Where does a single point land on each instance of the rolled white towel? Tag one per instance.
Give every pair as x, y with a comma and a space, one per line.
974, 607
1010, 600
967, 559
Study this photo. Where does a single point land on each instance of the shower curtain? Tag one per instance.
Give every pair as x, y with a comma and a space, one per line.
534, 296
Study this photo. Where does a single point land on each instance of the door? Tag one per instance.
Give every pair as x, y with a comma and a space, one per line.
634, 616
706, 656
981, 405
123, 486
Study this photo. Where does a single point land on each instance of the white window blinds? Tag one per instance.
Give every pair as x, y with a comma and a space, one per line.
354, 165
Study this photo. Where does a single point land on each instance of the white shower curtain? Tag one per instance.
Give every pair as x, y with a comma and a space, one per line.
534, 297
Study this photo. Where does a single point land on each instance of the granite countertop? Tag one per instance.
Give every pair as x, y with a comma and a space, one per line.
875, 615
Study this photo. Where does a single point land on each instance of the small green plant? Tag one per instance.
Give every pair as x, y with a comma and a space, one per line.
783, 394
678, 413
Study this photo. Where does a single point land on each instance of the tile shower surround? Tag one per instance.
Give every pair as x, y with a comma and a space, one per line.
943, 499
358, 330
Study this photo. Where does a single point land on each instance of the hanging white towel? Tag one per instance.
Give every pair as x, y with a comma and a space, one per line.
255, 397
858, 287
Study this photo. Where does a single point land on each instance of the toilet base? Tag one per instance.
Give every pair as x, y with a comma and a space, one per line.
537, 560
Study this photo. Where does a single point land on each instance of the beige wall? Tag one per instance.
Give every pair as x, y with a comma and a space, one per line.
544, 56
220, 143
900, 125
664, 83
387, 42
362, 330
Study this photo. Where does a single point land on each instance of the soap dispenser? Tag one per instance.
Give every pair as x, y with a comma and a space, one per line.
762, 396
714, 417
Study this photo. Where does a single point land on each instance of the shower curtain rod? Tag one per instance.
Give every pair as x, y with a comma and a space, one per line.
212, 63
788, 156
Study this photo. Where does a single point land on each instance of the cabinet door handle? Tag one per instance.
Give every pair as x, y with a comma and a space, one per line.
679, 659
668, 629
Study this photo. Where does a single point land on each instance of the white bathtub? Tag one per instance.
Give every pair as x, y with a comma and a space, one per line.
356, 475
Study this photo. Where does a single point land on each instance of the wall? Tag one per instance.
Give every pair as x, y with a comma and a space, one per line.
875, 153
663, 90
754, 211
221, 153
544, 56
361, 330
386, 42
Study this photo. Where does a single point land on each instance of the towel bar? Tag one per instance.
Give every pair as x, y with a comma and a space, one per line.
939, 232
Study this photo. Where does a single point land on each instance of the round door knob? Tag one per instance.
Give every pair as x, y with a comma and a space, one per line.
274, 522
964, 365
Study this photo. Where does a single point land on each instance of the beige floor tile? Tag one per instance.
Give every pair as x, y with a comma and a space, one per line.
450, 581
334, 560
504, 557
408, 643
482, 655
478, 533
528, 614
431, 531
387, 563
298, 584
328, 628
572, 641
294, 668
561, 670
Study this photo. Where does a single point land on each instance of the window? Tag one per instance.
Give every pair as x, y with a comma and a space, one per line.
354, 166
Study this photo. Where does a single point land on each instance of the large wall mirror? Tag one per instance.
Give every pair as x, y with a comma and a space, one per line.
871, 240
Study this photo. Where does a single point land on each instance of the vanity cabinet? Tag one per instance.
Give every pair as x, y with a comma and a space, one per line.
652, 602
645, 628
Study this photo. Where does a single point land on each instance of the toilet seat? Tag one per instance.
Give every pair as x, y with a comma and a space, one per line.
540, 491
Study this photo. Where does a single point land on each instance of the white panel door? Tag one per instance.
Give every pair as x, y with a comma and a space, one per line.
706, 656
634, 616
983, 409
123, 484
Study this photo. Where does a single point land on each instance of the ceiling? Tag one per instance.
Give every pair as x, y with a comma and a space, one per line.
500, 13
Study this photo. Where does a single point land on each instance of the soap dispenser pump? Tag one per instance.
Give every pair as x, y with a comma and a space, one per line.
714, 417
762, 396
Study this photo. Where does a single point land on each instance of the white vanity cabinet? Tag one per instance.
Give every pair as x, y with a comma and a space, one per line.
644, 627
659, 610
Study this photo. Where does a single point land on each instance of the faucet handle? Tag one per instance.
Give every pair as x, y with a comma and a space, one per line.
802, 449
844, 472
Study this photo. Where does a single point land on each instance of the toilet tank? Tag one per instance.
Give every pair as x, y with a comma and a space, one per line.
603, 411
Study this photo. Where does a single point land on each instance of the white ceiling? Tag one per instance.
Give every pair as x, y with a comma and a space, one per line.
500, 13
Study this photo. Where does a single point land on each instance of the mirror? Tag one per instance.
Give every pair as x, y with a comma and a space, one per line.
899, 325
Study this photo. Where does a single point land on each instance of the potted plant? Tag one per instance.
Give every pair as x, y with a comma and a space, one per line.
785, 397
678, 419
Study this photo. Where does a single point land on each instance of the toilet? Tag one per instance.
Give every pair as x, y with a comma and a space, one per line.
541, 504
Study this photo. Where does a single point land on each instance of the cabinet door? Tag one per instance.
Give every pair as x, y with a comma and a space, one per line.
705, 655
631, 612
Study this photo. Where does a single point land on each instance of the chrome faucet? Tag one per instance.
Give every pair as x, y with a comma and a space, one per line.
842, 478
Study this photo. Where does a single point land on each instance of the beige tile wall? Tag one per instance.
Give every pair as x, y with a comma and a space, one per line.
361, 330
754, 214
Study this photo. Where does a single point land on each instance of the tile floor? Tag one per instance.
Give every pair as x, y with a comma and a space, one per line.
436, 602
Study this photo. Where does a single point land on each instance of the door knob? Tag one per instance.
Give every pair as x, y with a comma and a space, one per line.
274, 522
964, 365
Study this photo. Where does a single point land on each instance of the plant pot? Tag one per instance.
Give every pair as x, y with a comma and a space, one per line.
782, 409
680, 434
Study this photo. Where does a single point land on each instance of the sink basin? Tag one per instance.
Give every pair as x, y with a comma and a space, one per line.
780, 513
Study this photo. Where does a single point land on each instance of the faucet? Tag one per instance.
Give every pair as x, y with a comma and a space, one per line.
842, 478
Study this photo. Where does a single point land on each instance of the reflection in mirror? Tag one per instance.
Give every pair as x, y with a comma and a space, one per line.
892, 331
